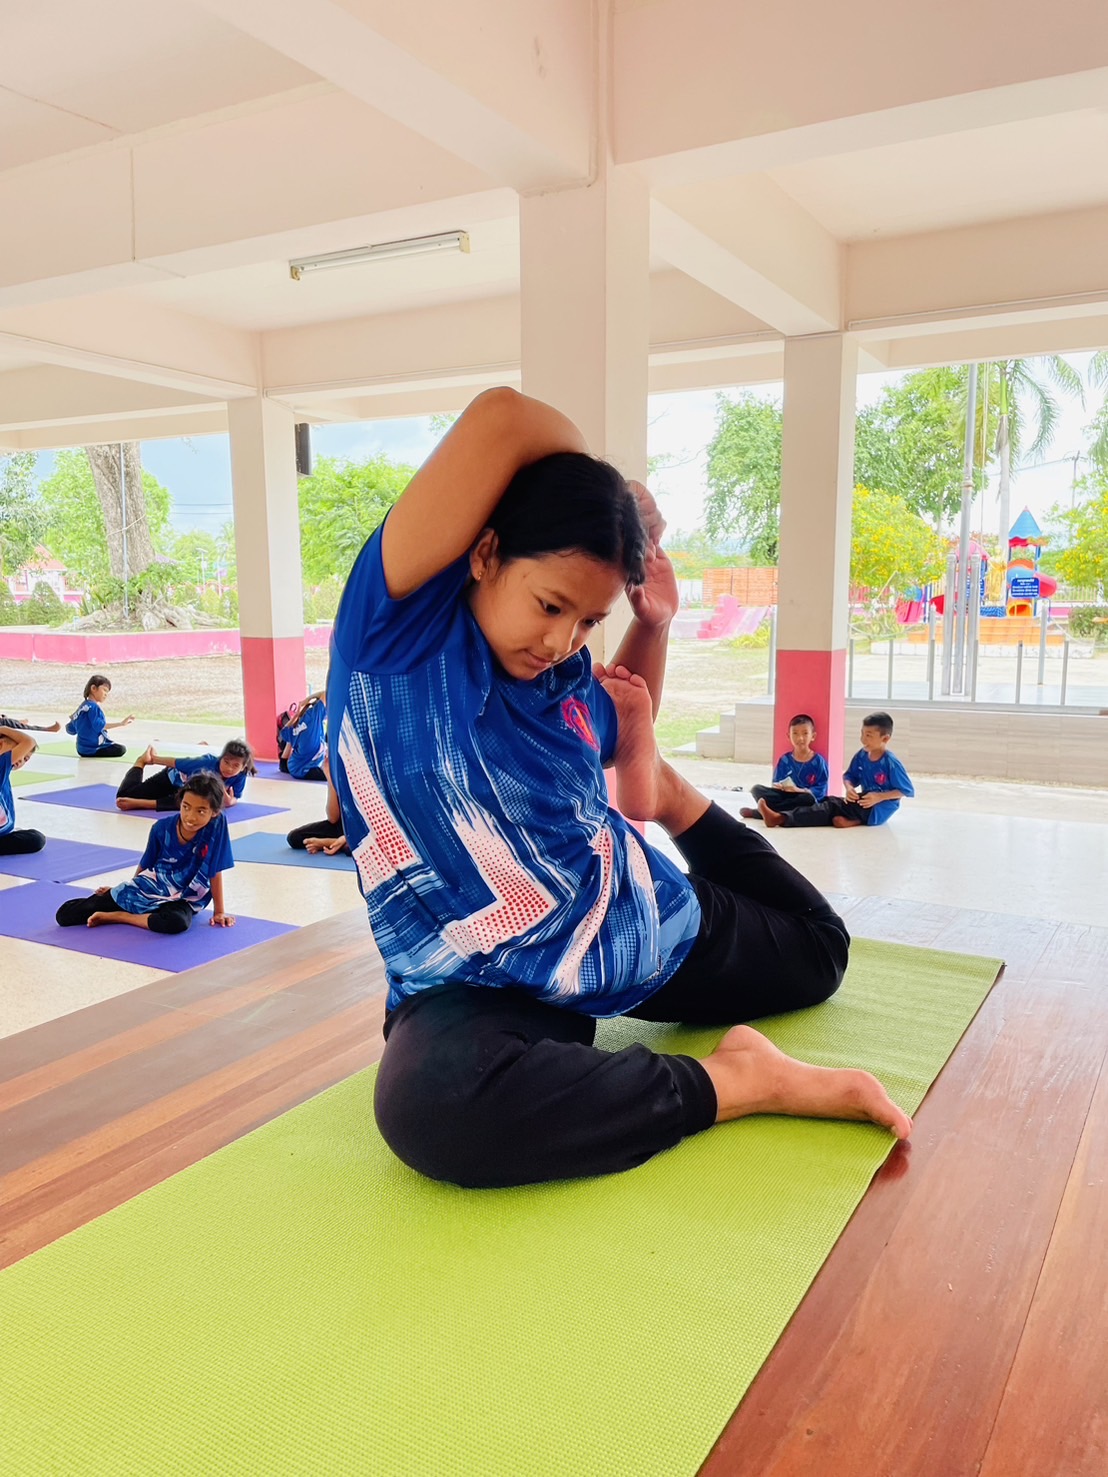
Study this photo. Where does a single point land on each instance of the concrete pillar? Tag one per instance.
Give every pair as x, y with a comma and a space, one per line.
585, 321
813, 582
267, 544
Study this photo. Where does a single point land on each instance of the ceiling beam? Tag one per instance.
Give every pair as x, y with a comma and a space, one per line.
379, 54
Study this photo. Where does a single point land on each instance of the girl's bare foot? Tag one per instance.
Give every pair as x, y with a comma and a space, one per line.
95, 919
751, 1075
748, 814
637, 759
146, 757
54, 727
843, 822
771, 817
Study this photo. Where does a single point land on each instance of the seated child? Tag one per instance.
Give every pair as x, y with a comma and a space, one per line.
306, 744
89, 726
800, 777
178, 874
875, 784
162, 791
15, 749
327, 835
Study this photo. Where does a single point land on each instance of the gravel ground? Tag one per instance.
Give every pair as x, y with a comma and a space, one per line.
205, 689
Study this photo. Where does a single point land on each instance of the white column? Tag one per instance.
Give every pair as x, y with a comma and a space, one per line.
585, 321
267, 544
813, 582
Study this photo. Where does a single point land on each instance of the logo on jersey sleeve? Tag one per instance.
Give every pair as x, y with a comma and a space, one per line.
579, 719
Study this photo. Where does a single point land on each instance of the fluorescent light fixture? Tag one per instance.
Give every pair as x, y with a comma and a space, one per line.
413, 246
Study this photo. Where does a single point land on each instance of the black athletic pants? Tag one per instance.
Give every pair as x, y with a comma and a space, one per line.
105, 751
167, 918
825, 812
21, 843
488, 1087
316, 830
158, 787
782, 800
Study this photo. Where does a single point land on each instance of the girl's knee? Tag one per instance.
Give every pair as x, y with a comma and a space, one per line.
438, 1128
35, 840
168, 923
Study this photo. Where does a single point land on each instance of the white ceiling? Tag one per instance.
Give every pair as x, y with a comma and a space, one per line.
71, 76
1012, 169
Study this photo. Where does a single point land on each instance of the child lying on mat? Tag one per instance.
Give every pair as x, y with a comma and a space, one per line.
162, 791
178, 874
15, 749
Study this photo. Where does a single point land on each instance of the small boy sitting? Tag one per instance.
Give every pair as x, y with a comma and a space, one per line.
799, 778
178, 874
875, 784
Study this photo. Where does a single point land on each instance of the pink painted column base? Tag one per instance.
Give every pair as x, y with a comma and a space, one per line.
273, 674
813, 682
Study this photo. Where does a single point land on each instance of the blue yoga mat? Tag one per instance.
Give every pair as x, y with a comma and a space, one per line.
65, 861
264, 846
102, 797
33, 919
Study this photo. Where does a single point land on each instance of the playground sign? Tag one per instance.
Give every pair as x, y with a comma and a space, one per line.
1024, 587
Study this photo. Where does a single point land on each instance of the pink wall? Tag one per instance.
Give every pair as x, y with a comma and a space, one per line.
91, 649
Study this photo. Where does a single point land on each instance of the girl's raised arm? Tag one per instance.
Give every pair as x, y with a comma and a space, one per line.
447, 503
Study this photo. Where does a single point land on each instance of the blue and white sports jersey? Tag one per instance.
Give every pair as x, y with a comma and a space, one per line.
811, 775
171, 870
886, 773
206, 764
90, 727
476, 810
308, 742
7, 803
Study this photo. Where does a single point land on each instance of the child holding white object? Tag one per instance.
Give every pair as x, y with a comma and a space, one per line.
800, 776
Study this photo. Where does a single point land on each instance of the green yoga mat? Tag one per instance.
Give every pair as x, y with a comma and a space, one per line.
301, 1303
33, 777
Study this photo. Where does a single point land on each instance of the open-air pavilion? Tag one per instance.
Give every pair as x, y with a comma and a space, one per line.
658, 195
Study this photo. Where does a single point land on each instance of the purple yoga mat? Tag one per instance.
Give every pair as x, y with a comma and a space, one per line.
269, 769
102, 797
33, 919
65, 861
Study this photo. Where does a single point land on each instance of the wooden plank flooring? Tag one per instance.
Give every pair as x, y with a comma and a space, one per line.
957, 1327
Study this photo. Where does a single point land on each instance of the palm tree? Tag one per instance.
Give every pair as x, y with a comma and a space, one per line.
1098, 376
1018, 384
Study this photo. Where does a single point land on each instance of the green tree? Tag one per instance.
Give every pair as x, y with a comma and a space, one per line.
341, 504
912, 441
691, 553
45, 607
196, 554
74, 530
1085, 561
744, 474
1027, 414
891, 547
21, 521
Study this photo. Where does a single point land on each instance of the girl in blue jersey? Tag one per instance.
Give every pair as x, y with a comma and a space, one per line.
306, 744
90, 727
162, 791
513, 906
178, 875
16, 748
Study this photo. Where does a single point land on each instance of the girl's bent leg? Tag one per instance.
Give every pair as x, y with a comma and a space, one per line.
487, 1087
21, 843
314, 831
106, 751
79, 910
170, 918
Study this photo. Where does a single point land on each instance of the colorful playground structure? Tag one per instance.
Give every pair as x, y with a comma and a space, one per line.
1014, 617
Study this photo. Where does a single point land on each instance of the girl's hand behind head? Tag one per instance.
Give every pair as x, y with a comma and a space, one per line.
649, 512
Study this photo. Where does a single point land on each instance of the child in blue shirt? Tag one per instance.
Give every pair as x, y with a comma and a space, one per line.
162, 791
306, 746
178, 874
875, 784
90, 727
15, 749
512, 904
800, 776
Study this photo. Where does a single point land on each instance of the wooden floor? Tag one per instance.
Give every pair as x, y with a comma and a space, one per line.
959, 1325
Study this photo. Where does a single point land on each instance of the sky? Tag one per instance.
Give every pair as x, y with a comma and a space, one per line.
197, 470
